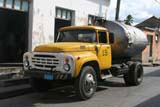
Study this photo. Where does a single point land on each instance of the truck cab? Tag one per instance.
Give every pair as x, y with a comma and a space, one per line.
95, 40
81, 54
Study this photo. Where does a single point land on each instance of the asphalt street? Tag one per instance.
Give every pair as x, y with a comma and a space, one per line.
111, 93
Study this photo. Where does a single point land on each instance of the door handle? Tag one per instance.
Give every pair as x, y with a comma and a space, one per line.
96, 48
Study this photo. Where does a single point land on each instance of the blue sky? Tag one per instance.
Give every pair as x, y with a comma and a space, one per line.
139, 9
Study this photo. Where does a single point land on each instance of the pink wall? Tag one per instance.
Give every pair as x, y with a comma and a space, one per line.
155, 47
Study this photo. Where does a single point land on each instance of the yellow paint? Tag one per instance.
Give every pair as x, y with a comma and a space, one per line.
83, 28
81, 58
83, 52
65, 47
104, 55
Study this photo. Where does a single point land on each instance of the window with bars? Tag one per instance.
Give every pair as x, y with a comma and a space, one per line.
1, 3
17, 4
21, 5
93, 20
63, 13
9, 3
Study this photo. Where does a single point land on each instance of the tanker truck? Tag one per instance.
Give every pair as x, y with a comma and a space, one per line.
86, 55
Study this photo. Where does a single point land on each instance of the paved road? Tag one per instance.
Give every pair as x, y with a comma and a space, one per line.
112, 93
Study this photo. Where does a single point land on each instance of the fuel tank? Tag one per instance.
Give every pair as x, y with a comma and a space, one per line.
129, 41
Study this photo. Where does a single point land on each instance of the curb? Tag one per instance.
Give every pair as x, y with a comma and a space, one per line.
147, 64
14, 82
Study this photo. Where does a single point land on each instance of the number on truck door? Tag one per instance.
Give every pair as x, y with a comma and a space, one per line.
104, 53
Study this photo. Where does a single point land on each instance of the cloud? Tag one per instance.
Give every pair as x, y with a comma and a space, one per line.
139, 9
142, 15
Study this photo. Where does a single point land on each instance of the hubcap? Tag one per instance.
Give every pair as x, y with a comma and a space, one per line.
89, 83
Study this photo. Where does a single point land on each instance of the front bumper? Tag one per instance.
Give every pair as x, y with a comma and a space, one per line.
42, 62
42, 74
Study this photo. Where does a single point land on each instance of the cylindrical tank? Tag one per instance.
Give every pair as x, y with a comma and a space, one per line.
128, 40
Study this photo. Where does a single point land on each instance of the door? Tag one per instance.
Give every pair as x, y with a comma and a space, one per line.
150, 41
14, 22
104, 51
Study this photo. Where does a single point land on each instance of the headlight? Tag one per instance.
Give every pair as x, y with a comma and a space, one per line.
66, 67
26, 63
26, 57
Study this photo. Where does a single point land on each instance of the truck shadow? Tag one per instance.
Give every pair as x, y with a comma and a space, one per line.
66, 95
62, 96
109, 83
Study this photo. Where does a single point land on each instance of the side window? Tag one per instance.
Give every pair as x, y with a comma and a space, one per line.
111, 38
102, 37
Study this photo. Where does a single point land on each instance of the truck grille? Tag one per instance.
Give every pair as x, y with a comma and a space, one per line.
45, 61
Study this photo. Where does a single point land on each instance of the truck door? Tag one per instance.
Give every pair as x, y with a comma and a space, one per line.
104, 50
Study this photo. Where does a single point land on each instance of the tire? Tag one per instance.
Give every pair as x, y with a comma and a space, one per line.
40, 85
86, 83
135, 75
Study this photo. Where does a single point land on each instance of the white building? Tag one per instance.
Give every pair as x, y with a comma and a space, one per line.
37, 21
49, 16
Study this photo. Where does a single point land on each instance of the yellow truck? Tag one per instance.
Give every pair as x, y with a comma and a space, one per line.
85, 55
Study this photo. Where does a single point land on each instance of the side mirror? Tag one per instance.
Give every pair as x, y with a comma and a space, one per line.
111, 38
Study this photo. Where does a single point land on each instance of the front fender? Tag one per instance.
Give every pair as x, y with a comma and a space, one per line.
82, 59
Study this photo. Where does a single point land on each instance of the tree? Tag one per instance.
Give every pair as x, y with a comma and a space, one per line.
129, 20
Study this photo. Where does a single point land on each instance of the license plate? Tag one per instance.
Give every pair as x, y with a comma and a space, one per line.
48, 76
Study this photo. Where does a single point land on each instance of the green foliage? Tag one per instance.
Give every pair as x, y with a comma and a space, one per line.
129, 20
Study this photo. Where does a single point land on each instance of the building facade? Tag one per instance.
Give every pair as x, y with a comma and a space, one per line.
49, 16
28, 23
151, 28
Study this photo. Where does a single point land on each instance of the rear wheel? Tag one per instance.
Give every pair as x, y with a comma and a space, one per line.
86, 83
40, 85
134, 76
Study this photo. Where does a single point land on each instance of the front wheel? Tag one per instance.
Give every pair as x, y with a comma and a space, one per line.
86, 83
134, 76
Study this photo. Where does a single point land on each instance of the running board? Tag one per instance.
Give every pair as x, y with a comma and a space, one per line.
106, 76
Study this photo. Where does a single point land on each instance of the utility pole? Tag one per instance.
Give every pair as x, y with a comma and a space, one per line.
117, 10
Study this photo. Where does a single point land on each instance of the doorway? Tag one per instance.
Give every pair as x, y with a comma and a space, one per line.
13, 35
150, 41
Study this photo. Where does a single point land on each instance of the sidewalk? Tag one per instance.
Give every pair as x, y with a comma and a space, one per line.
157, 63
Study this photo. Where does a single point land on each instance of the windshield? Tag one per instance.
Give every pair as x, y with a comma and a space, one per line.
77, 36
